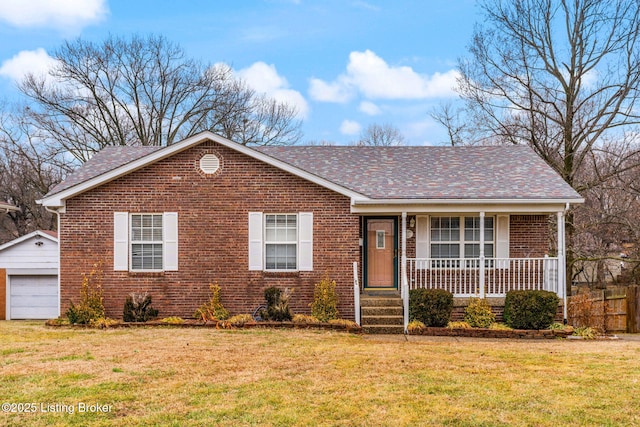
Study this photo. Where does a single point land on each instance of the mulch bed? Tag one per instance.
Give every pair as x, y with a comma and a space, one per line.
492, 333
190, 323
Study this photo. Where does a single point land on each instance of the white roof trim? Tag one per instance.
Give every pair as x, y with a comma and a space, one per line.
57, 200
422, 206
464, 201
21, 239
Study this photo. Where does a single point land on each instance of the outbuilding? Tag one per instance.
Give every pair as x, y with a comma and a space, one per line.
29, 277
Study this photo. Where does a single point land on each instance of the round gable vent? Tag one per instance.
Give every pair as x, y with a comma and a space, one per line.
209, 163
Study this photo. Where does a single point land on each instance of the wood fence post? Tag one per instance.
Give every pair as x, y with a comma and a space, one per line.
633, 314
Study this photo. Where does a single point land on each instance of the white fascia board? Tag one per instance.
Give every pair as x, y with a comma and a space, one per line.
27, 237
57, 200
458, 205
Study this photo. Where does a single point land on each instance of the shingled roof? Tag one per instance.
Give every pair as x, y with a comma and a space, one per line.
494, 172
105, 160
426, 173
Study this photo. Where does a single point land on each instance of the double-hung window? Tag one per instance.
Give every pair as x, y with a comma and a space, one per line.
455, 237
281, 242
146, 242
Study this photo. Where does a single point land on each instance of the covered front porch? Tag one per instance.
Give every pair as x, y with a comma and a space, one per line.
489, 256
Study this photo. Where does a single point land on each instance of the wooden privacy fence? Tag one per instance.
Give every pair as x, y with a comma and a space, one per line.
613, 310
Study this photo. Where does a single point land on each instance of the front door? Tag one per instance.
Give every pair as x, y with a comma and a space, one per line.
381, 250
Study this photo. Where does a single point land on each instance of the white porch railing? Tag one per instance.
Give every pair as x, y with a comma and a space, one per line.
492, 278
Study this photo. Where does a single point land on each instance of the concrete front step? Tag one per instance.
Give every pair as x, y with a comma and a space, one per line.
383, 329
368, 301
382, 320
382, 311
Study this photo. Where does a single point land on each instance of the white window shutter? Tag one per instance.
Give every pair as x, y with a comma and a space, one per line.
255, 240
170, 233
305, 241
121, 241
422, 237
502, 240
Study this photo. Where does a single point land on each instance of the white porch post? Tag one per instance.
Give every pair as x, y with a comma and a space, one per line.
562, 266
356, 294
404, 286
481, 260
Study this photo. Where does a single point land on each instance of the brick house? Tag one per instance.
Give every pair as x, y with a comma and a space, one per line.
170, 221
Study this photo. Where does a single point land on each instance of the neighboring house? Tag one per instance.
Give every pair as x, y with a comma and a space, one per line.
170, 221
29, 277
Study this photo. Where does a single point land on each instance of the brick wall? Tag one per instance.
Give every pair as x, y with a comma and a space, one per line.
528, 236
213, 234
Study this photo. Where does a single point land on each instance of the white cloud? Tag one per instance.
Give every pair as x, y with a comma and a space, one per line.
372, 77
61, 14
338, 91
369, 108
590, 79
36, 62
265, 78
350, 127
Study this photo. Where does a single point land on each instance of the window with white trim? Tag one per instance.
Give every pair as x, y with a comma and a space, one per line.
281, 241
146, 242
459, 237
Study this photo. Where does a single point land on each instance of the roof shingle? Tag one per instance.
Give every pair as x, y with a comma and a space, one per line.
473, 172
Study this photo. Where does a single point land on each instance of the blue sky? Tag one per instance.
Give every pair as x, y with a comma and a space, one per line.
345, 64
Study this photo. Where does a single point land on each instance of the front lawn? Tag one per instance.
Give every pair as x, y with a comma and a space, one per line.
182, 377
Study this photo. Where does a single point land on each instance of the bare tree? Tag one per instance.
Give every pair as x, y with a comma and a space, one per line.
29, 168
459, 131
145, 91
561, 76
385, 135
556, 75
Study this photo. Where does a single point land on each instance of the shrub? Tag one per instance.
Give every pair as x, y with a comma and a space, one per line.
277, 304
137, 308
430, 306
325, 301
240, 320
500, 327
173, 320
91, 307
478, 313
586, 333
305, 318
458, 325
530, 309
586, 311
212, 310
415, 326
348, 324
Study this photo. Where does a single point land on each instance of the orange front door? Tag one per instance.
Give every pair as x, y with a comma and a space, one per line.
381, 249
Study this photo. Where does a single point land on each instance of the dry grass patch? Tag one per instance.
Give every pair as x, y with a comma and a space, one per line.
167, 376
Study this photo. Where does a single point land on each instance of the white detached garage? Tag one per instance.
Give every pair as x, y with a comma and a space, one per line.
29, 277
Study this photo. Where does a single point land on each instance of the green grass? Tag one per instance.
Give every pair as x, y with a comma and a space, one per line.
193, 377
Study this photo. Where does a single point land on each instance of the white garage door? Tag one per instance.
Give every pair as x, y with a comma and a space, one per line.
33, 297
